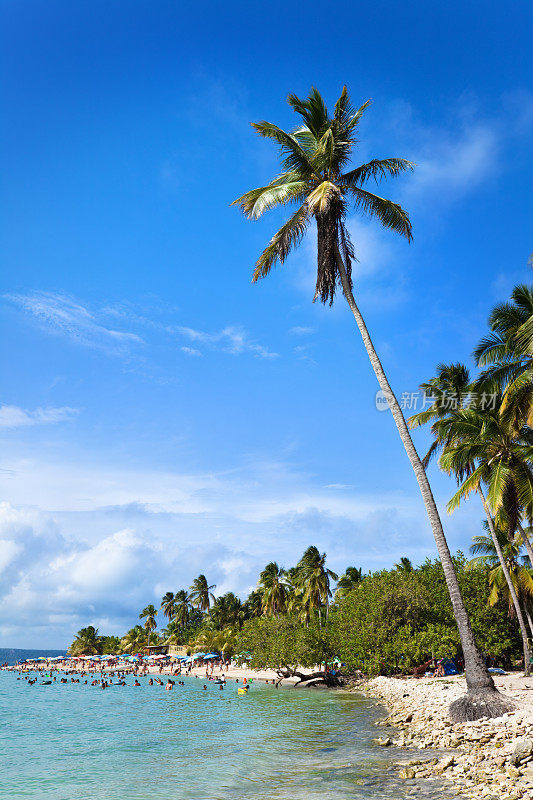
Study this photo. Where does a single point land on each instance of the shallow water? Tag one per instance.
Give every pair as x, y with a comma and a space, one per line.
77, 742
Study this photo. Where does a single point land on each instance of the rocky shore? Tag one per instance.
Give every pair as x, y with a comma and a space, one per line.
488, 758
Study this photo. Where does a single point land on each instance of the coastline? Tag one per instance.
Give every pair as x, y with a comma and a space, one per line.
491, 759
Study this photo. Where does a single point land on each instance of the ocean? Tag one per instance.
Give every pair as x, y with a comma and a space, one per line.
12, 655
78, 742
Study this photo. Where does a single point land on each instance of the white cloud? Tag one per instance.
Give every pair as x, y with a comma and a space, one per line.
301, 330
190, 351
62, 314
232, 339
450, 166
15, 417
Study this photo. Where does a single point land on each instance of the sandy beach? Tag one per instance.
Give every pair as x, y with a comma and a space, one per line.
487, 758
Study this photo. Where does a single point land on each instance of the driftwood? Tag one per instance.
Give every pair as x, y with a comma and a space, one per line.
318, 679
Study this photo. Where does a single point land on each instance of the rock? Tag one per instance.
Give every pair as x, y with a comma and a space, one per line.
383, 741
444, 764
407, 774
521, 750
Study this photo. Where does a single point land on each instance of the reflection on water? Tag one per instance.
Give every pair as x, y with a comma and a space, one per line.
71, 741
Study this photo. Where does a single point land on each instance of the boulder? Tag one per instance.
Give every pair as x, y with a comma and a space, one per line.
522, 748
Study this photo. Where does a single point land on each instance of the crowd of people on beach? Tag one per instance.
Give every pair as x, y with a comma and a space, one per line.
104, 679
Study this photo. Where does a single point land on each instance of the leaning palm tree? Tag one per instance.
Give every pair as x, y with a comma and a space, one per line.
201, 595
150, 623
315, 176
273, 588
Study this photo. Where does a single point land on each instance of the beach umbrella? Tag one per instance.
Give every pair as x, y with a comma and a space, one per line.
211, 655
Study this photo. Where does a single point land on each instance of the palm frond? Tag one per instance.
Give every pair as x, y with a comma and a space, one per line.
289, 235
498, 480
294, 156
255, 202
356, 118
313, 111
391, 215
377, 169
469, 485
490, 348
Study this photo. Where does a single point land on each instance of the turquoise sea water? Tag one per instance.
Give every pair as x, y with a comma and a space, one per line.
77, 742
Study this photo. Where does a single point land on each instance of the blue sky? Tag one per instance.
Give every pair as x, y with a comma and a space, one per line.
161, 415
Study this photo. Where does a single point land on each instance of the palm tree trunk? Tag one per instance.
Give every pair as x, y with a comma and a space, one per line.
527, 543
482, 699
528, 617
510, 584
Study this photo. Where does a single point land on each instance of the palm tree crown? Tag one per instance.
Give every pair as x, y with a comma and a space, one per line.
149, 615
315, 157
168, 604
273, 587
314, 578
507, 355
351, 578
87, 642
485, 555
201, 594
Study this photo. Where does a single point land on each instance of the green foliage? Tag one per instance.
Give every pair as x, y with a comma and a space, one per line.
283, 642
110, 644
87, 642
394, 620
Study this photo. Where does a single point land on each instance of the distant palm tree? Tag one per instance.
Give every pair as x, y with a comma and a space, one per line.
88, 642
485, 554
273, 587
314, 578
133, 640
150, 623
201, 594
351, 578
226, 610
168, 604
314, 175
404, 565
182, 603
253, 604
